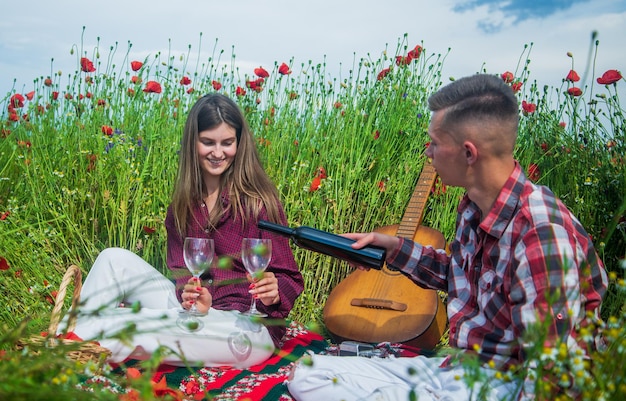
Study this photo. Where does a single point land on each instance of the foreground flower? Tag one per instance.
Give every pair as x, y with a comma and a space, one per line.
16, 100
284, 69
261, 72
152, 87
533, 172
383, 73
507, 77
609, 77
86, 65
572, 76
516, 86
4, 265
574, 91
136, 65
528, 108
216, 85
185, 80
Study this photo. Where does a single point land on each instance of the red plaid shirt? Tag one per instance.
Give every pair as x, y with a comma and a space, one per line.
528, 257
227, 236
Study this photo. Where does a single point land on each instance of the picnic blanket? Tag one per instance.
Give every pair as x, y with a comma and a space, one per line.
260, 382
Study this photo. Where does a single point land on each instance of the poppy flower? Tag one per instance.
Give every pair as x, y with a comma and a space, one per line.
376, 134
321, 172
16, 100
261, 72
528, 108
562, 124
136, 65
107, 130
185, 80
415, 53
4, 265
533, 172
508, 77
216, 85
338, 105
152, 87
86, 65
574, 91
381, 186
47, 82
572, 76
239, 91
135, 79
402, 60
30, 95
383, 73
284, 69
609, 77
256, 85
516, 86
148, 230
315, 184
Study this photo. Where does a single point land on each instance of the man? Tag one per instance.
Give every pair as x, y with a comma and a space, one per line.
519, 261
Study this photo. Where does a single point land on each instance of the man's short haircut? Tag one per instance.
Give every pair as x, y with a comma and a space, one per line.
479, 98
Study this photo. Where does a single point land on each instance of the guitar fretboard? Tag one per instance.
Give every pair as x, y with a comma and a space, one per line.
415, 210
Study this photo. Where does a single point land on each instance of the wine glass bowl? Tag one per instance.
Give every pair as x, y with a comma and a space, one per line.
256, 254
198, 254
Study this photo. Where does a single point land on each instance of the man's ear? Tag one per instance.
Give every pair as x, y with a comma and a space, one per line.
471, 152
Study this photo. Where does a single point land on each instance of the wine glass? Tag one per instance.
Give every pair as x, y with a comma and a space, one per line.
198, 254
256, 254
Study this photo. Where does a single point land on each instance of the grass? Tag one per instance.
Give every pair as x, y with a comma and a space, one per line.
90, 163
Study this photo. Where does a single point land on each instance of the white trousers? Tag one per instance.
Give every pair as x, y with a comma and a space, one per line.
331, 378
119, 275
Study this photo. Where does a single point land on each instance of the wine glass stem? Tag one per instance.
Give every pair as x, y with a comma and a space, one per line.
193, 308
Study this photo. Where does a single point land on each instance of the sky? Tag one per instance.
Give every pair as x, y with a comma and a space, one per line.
36, 38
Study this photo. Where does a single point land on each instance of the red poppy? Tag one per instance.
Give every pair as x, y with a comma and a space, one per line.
533, 172
69, 96
47, 82
338, 105
381, 186
508, 77
574, 91
528, 108
152, 87
149, 230
402, 60
13, 116
562, 124
102, 102
216, 85
544, 147
516, 86
383, 73
135, 79
16, 100
4, 265
239, 91
136, 65
415, 53
130, 92
261, 72
256, 85
185, 80
315, 184
190, 91
55, 95
284, 69
572, 76
86, 65
376, 134
107, 130
321, 172
609, 77
293, 96
30, 95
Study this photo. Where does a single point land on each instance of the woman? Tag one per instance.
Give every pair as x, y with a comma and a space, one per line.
221, 192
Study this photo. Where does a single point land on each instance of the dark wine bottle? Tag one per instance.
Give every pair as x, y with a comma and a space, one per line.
329, 244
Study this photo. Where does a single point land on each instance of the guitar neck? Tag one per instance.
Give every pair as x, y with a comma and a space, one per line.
415, 210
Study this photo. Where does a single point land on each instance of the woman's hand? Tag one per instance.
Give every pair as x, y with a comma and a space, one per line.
265, 289
194, 292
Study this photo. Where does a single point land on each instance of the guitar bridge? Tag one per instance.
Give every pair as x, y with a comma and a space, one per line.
375, 303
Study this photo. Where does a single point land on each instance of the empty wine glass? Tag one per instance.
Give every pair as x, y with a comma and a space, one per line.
256, 254
198, 254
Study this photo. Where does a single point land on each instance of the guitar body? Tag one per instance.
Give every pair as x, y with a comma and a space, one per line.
386, 306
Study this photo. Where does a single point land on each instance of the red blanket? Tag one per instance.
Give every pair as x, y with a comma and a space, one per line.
261, 382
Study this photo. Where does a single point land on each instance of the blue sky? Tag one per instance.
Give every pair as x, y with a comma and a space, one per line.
36, 38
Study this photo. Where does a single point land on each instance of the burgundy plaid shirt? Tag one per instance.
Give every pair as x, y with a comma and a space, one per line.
233, 294
528, 257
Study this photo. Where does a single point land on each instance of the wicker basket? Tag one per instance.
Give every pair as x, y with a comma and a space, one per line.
81, 351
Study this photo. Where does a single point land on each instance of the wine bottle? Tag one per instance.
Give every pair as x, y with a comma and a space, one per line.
329, 244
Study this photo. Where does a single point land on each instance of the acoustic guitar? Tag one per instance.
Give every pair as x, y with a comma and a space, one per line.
384, 305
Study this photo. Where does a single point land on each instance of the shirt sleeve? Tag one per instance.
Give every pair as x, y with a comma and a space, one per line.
426, 266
